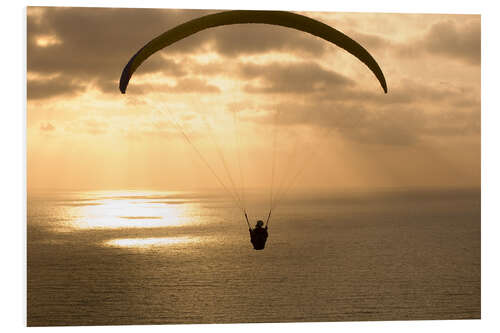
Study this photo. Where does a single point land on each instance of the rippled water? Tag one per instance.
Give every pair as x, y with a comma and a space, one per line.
131, 257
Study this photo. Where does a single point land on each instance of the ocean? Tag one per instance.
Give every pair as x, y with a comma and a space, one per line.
172, 257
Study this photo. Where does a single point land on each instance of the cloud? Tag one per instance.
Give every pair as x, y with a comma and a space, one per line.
371, 42
393, 126
461, 42
54, 87
93, 44
406, 93
260, 38
448, 39
384, 124
297, 78
182, 86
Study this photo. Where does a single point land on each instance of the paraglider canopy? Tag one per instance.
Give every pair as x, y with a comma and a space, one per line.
280, 18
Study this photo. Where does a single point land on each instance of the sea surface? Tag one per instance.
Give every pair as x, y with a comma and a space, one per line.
167, 257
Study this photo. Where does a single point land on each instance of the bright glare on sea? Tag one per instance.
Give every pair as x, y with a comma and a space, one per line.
145, 257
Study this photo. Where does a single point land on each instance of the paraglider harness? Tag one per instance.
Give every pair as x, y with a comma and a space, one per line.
258, 235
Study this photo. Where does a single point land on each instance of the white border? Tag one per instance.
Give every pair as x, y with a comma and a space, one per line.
13, 296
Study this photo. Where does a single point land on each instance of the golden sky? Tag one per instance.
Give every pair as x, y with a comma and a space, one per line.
240, 89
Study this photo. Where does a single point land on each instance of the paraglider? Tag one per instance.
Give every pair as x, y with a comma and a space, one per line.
299, 22
258, 235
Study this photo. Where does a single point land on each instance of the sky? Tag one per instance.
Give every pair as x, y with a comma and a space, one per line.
258, 103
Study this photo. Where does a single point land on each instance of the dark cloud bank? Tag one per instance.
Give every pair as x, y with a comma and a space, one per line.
95, 44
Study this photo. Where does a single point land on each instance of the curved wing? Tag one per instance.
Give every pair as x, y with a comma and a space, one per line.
281, 18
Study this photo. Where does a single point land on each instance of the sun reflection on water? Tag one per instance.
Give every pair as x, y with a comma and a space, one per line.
150, 242
113, 210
